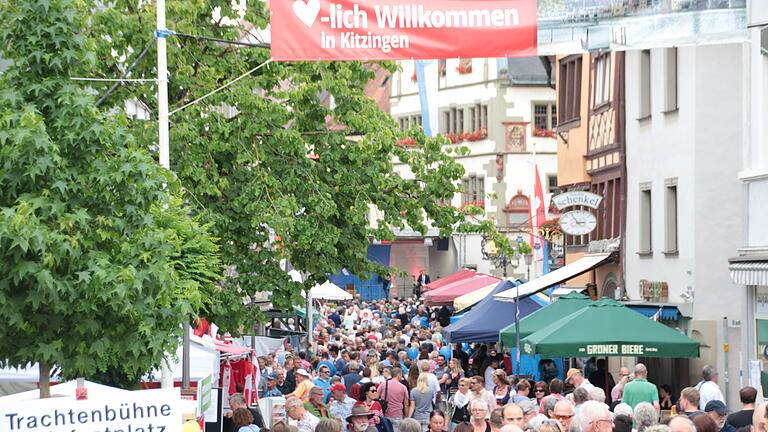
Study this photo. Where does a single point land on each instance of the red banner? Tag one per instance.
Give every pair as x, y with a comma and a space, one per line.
398, 29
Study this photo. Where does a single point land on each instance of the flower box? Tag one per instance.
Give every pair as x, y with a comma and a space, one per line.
544, 133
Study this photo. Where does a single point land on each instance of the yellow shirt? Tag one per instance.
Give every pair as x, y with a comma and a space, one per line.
302, 390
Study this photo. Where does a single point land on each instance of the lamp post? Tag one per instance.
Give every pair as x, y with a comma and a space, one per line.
528, 260
498, 258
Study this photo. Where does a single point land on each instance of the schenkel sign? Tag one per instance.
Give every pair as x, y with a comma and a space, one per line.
396, 29
576, 198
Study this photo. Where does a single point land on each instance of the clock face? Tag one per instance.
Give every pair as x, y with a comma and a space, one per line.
578, 222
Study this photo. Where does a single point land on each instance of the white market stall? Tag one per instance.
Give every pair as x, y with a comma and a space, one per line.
329, 291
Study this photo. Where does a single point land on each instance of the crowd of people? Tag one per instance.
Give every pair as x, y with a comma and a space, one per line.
382, 366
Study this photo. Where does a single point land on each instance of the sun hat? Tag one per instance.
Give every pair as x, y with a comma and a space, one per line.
359, 411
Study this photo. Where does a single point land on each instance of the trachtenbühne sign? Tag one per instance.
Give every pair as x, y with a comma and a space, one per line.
401, 29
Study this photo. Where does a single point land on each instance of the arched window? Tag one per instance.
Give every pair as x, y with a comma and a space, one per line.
517, 209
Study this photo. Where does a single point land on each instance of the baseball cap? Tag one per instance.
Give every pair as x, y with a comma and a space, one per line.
272, 376
303, 373
571, 372
337, 386
716, 406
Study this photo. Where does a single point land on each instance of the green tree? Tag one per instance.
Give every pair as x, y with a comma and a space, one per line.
101, 263
272, 178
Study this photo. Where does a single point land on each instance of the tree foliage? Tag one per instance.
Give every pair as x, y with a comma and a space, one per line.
275, 183
101, 262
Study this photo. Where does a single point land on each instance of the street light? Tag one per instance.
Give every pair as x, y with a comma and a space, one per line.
499, 258
528, 260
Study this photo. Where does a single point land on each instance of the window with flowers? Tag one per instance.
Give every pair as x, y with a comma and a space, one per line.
473, 191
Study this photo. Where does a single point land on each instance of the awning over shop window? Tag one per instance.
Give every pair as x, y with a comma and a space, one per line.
580, 266
749, 270
667, 313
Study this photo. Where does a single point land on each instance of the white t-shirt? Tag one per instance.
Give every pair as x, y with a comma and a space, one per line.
434, 384
489, 378
708, 391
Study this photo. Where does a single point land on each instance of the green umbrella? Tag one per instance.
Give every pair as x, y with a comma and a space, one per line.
564, 306
301, 313
608, 328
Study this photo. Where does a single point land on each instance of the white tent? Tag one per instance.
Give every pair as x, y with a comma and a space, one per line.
65, 390
203, 361
330, 291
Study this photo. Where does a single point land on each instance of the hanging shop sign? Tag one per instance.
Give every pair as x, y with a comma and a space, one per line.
576, 198
398, 29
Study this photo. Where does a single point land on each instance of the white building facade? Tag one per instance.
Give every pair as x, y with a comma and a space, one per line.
506, 109
749, 265
685, 108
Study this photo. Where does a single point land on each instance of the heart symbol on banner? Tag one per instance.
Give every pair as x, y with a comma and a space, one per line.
307, 12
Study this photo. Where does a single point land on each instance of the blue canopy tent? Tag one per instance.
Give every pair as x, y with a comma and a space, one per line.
484, 321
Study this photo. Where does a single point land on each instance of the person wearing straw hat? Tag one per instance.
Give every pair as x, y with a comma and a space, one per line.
303, 385
576, 378
359, 419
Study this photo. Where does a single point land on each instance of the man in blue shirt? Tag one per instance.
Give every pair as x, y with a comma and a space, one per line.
323, 379
271, 390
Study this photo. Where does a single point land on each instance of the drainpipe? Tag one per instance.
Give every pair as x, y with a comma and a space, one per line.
726, 348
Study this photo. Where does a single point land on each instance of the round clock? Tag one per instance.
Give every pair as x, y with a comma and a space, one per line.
578, 222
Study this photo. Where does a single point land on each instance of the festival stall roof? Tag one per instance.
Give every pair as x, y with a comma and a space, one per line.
467, 301
470, 299
459, 275
545, 316
580, 266
445, 295
608, 328
329, 291
483, 322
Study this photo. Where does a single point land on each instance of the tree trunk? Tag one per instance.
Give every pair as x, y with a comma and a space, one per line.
45, 383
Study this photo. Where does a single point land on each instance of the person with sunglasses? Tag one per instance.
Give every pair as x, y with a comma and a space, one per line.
368, 398
323, 380
540, 389
564, 412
